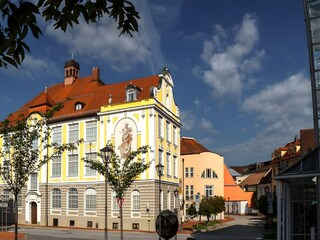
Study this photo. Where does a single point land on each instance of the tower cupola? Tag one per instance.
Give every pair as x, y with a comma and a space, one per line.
71, 72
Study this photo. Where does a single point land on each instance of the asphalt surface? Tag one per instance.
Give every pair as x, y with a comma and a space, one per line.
241, 228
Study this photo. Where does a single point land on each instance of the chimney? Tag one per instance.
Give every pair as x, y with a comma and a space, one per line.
71, 72
95, 74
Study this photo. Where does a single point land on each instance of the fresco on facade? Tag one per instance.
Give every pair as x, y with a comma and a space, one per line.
126, 141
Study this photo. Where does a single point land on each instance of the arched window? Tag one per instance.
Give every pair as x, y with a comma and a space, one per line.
73, 198
91, 199
131, 95
136, 200
56, 198
209, 173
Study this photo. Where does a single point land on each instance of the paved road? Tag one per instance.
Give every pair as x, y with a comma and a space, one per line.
242, 228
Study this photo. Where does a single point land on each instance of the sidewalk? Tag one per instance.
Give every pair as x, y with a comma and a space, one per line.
10, 236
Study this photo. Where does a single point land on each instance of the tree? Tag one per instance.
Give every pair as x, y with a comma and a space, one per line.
191, 211
120, 173
25, 149
20, 17
263, 204
211, 205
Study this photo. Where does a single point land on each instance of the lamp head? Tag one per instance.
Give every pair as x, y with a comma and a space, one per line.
106, 152
159, 168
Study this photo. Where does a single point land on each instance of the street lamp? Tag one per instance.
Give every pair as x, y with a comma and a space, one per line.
175, 192
159, 168
106, 153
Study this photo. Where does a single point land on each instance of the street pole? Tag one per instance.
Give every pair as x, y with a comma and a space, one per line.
106, 204
159, 169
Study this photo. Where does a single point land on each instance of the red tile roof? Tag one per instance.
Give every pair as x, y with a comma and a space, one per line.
191, 146
92, 93
232, 191
253, 179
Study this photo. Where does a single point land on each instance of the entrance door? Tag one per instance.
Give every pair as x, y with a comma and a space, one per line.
33, 213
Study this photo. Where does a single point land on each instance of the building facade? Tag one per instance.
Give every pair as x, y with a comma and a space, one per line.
202, 172
129, 114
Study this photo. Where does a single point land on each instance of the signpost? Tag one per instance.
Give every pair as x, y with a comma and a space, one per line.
197, 205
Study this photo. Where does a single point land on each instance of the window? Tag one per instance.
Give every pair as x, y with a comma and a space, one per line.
186, 172
78, 106
168, 200
73, 133
91, 199
34, 181
73, 165
35, 143
135, 226
56, 198
174, 135
209, 173
191, 192
89, 224
6, 195
131, 95
175, 166
6, 167
19, 200
187, 192
89, 171
160, 156
71, 223
191, 172
136, 201
208, 191
115, 206
57, 135
168, 131
160, 120
56, 166
73, 198
168, 163
91, 131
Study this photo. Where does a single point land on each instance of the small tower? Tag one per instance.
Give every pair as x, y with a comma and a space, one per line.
71, 72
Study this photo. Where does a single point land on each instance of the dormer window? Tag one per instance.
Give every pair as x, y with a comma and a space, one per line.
132, 92
131, 95
78, 106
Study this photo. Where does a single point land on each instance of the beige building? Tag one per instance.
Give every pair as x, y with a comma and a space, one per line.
201, 172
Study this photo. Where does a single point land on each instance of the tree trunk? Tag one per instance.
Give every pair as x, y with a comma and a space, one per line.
121, 221
15, 216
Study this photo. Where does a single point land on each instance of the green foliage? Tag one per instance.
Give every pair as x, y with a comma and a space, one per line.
263, 204
191, 211
20, 17
254, 201
121, 173
211, 205
24, 150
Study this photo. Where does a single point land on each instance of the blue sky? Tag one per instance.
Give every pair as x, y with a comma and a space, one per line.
240, 68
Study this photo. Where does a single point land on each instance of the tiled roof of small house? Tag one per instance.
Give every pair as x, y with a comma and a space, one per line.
232, 191
253, 179
92, 94
191, 146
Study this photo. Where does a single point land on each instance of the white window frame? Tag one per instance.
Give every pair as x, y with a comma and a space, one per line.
168, 164
56, 164
91, 131
56, 198
131, 95
91, 199
73, 165
57, 135
73, 132
114, 205
186, 172
89, 171
73, 199
135, 204
160, 126
191, 172
175, 166
208, 189
168, 135
161, 156
33, 182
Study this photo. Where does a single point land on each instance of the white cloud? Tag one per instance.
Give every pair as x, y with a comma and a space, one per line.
206, 125
188, 120
34, 69
101, 42
201, 105
229, 67
282, 110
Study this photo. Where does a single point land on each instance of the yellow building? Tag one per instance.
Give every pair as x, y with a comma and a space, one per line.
128, 114
202, 172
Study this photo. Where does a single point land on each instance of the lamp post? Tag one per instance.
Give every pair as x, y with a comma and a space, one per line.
106, 153
159, 168
175, 192
228, 206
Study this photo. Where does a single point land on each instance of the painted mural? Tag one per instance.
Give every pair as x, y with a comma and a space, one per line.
126, 141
